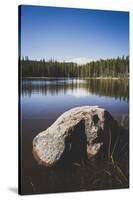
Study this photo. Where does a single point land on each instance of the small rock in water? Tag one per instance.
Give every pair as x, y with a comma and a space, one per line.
81, 131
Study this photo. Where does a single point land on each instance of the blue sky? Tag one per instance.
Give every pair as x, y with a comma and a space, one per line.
66, 33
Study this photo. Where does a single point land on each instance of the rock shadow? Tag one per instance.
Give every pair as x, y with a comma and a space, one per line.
75, 145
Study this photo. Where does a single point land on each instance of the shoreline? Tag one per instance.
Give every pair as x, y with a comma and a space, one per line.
62, 78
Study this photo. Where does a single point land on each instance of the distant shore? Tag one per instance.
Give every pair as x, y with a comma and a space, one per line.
62, 78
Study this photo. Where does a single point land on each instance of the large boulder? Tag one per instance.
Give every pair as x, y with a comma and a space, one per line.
84, 131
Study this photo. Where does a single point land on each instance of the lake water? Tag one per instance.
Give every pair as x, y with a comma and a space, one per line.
41, 103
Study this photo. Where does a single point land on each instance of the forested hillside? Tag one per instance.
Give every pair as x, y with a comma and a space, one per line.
102, 68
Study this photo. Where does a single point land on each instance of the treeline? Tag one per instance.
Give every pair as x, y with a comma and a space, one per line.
118, 67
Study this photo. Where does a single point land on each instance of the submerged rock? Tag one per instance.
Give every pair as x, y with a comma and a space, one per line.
82, 131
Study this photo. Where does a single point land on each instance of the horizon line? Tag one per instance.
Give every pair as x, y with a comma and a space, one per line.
69, 59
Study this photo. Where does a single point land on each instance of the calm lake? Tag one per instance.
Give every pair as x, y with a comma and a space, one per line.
41, 103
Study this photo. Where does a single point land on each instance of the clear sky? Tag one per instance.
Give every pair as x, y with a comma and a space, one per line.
66, 33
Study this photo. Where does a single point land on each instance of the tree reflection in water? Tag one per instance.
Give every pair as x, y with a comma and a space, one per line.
119, 89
